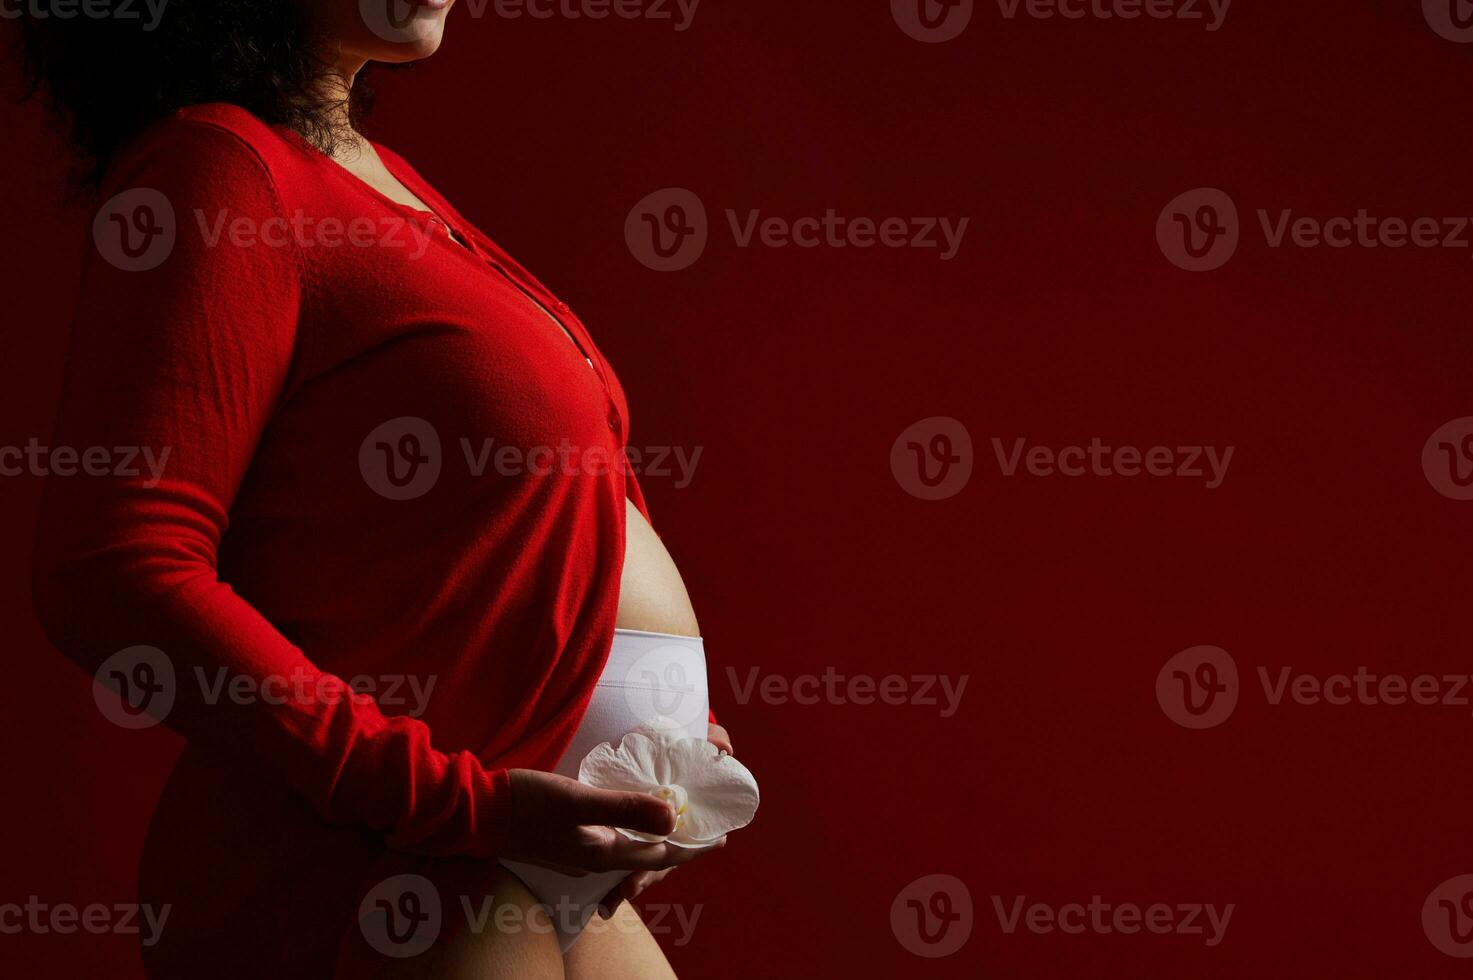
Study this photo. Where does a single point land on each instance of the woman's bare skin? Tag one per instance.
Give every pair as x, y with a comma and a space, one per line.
652, 594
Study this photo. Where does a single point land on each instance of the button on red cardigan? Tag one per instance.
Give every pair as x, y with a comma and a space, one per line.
263, 360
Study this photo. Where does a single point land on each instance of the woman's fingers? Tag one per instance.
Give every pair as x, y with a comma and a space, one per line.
639, 812
569, 826
637, 883
623, 854
628, 890
718, 737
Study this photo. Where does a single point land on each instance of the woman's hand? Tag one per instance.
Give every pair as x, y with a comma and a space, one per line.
717, 736
630, 888
565, 825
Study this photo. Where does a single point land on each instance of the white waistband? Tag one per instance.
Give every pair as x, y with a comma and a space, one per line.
678, 637
655, 660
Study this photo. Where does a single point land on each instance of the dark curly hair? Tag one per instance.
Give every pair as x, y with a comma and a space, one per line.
108, 78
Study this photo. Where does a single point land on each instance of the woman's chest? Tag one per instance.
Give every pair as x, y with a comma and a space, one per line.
434, 329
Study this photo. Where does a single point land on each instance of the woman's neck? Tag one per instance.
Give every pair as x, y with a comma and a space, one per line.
336, 88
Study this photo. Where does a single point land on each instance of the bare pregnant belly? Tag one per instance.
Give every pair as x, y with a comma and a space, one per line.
652, 595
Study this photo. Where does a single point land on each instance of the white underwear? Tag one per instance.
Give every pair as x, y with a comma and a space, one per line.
647, 675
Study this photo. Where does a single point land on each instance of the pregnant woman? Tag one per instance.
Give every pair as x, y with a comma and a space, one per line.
388, 655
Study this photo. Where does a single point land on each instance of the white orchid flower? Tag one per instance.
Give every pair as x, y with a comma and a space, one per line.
711, 793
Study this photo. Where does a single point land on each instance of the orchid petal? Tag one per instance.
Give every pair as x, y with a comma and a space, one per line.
723, 794
719, 793
632, 767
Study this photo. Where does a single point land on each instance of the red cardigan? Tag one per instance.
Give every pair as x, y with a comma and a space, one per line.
265, 354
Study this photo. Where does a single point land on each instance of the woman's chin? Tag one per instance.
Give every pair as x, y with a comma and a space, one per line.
402, 31
404, 54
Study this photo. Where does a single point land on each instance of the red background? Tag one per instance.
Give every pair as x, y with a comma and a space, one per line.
1060, 778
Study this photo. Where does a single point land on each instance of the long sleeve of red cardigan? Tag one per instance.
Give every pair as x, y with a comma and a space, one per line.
191, 358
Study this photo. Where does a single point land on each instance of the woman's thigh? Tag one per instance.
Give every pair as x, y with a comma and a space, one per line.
512, 940
620, 948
